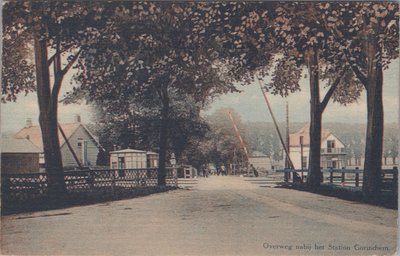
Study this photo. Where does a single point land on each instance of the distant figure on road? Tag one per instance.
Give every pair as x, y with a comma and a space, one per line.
254, 170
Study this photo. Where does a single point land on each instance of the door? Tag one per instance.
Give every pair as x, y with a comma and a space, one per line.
121, 162
84, 153
121, 165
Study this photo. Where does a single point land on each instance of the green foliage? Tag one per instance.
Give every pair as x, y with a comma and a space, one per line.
20, 79
298, 27
221, 145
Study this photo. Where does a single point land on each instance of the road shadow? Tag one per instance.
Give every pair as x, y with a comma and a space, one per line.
386, 200
45, 203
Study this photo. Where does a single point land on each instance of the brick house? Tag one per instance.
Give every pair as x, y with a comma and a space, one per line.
19, 156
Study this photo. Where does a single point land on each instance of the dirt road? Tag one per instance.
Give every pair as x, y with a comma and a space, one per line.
218, 216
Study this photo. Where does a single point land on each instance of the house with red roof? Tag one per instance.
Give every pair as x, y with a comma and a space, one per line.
333, 150
83, 143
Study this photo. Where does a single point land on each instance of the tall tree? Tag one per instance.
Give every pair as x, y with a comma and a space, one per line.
368, 36
55, 31
304, 41
155, 58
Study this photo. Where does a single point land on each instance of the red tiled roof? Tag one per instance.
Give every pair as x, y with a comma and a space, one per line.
294, 138
34, 134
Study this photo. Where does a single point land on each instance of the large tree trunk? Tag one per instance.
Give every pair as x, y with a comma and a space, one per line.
48, 120
163, 139
374, 136
314, 173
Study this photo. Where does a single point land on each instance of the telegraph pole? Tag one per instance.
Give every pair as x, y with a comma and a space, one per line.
288, 162
287, 136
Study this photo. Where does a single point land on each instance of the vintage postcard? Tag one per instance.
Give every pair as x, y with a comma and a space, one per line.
199, 128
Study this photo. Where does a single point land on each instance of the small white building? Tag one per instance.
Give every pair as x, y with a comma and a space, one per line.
128, 159
333, 151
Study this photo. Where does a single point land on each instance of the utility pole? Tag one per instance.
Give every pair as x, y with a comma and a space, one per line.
301, 155
288, 164
287, 136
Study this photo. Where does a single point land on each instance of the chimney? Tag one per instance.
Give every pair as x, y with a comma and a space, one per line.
28, 123
77, 118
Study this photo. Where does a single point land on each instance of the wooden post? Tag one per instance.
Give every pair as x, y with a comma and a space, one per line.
322, 176
91, 179
112, 180
357, 179
395, 180
395, 174
286, 179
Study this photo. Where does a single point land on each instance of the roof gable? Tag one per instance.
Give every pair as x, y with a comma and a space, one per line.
11, 145
294, 138
333, 136
34, 134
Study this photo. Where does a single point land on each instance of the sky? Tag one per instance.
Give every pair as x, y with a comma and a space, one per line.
249, 104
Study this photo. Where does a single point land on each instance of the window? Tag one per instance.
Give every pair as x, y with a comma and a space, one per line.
301, 140
331, 143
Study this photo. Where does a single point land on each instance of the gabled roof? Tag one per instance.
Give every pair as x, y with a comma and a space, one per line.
128, 150
294, 138
11, 145
34, 134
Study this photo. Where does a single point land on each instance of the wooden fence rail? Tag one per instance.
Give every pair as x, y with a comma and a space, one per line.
345, 177
34, 185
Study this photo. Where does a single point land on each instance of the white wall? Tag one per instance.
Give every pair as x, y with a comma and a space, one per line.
132, 160
92, 149
295, 156
338, 143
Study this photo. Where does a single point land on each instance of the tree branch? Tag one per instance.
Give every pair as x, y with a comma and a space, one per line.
58, 75
69, 65
331, 90
51, 59
356, 70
